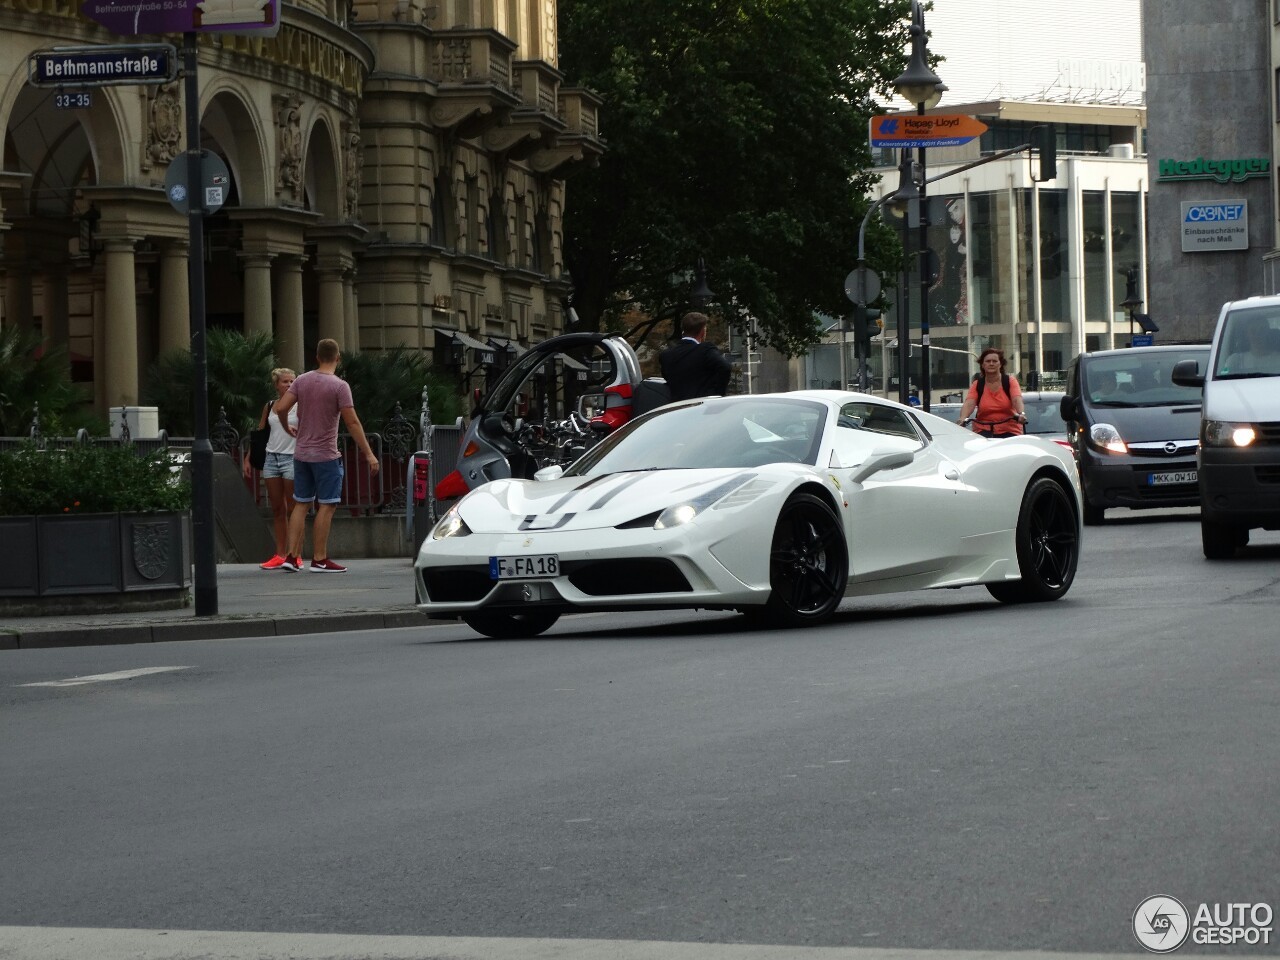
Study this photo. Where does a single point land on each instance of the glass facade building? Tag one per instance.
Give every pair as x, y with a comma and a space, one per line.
1037, 269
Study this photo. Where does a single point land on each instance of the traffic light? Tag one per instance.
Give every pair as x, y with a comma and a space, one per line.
865, 324
1046, 144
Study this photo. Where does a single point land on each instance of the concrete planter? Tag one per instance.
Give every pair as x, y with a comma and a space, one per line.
101, 561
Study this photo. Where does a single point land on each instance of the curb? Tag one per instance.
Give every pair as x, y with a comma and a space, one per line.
213, 628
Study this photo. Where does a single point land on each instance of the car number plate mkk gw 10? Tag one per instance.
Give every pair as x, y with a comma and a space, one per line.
1176, 476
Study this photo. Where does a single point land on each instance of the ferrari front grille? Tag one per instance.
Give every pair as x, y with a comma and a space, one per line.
610, 578
457, 584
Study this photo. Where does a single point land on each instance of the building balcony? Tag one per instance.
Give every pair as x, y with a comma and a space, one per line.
536, 122
472, 71
580, 144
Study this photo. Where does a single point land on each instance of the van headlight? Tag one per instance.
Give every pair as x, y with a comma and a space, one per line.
1226, 433
1106, 439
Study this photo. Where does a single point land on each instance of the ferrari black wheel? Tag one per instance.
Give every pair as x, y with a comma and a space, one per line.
808, 563
1048, 546
512, 626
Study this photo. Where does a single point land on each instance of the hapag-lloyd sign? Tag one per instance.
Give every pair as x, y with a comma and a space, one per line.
1223, 171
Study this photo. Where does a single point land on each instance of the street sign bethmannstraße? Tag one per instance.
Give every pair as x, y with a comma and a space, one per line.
102, 65
930, 130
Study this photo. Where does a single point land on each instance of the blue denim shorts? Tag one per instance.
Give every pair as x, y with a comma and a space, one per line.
278, 465
321, 482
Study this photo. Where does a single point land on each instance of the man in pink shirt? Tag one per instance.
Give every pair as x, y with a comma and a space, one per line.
322, 398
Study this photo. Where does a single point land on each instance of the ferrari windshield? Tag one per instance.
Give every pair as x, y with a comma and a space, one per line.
713, 432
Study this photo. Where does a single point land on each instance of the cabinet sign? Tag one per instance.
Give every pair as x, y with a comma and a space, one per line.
1212, 225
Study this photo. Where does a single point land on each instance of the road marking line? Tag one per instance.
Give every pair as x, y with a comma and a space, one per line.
104, 677
72, 943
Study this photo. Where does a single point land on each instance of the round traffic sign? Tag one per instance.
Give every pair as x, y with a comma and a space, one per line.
862, 285
214, 185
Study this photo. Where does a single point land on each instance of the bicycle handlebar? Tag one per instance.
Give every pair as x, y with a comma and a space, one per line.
991, 423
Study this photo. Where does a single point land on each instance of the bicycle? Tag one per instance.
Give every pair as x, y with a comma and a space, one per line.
987, 428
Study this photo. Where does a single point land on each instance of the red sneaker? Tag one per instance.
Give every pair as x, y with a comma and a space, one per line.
275, 563
292, 564
327, 566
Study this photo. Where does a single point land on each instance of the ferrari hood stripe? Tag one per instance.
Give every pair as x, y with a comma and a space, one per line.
610, 494
576, 490
531, 522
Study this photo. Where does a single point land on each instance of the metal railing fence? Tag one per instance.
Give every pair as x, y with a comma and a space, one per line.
363, 492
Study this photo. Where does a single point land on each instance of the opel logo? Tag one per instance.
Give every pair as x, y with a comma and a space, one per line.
1171, 448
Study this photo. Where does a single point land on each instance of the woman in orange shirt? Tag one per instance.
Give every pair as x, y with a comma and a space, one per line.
996, 410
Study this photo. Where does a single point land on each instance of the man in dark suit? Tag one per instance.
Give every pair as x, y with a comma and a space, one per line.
692, 367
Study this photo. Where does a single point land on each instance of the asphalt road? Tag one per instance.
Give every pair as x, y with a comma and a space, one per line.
928, 772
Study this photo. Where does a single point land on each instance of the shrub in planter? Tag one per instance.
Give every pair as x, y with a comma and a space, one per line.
92, 520
89, 478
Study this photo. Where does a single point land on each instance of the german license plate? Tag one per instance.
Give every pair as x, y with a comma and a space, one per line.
531, 567
1175, 476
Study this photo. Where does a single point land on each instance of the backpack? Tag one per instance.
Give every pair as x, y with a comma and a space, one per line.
981, 381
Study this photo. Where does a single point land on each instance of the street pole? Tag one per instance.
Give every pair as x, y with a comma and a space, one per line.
202, 522
863, 359
904, 323
844, 349
924, 279
918, 84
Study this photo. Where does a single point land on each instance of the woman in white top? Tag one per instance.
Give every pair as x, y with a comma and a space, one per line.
277, 473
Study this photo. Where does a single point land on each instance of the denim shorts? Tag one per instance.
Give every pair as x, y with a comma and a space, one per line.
278, 465
321, 482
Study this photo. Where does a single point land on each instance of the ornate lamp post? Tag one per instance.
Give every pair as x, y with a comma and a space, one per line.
701, 294
1132, 300
920, 85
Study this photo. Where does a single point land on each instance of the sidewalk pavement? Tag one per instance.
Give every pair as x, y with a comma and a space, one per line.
373, 594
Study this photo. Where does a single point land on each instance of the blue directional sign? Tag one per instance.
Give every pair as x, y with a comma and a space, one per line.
103, 66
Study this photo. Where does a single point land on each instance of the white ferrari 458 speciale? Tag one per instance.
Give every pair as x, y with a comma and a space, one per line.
777, 505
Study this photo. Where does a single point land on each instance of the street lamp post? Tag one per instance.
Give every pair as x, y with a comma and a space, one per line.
920, 85
701, 294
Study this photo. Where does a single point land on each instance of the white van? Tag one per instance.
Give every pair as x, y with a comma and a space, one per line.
1239, 455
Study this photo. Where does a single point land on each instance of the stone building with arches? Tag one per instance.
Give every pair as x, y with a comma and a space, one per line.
397, 177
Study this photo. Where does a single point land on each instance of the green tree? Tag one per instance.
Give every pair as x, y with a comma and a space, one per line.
381, 379
28, 379
239, 377
736, 132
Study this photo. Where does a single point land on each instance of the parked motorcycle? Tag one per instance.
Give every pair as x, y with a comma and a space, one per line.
553, 403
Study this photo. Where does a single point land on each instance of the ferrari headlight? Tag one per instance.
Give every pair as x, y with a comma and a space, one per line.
450, 525
681, 513
1224, 433
1106, 438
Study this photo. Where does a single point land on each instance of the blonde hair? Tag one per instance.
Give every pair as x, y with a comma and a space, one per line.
279, 372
